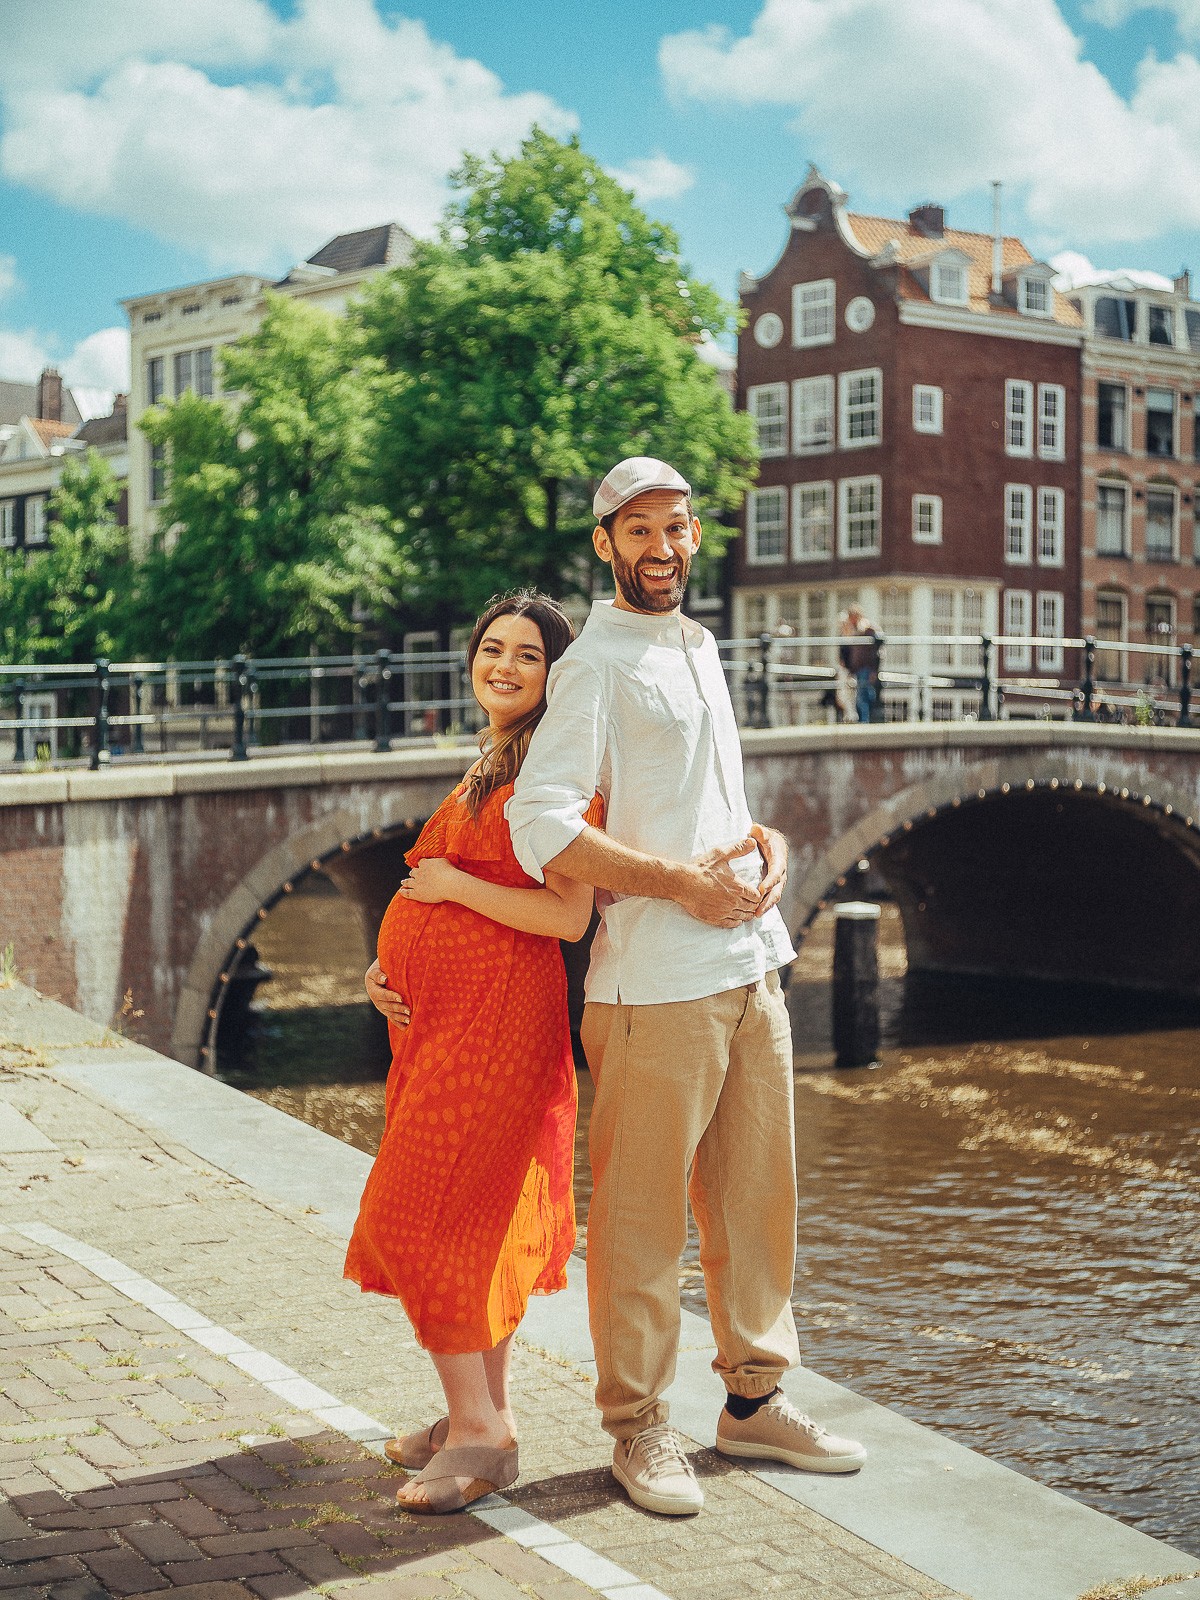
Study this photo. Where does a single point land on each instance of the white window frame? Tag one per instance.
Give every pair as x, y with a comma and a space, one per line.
936, 290
1051, 527
933, 535
157, 464
813, 398
803, 550
846, 411
1159, 388
846, 487
815, 301
1114, 648
36, 529
754, 556
1022, 554
1164, 490
1052, 422
1050, 613
1026, 282
1018, 420
1124, 489
1018, 623
1114, 383
8, 524
931, 392
759, 398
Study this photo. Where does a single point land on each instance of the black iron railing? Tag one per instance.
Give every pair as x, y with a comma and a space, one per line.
96, 712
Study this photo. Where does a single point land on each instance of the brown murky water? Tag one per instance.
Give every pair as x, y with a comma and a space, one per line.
998, 1228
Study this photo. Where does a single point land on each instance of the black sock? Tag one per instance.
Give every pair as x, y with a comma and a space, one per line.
742, 1407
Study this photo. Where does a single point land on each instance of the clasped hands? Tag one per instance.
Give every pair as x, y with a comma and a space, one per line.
712, 892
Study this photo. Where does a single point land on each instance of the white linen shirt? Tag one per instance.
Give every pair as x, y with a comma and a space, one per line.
639, 711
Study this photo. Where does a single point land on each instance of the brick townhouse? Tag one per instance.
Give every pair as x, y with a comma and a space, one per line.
916, 389
1141, 472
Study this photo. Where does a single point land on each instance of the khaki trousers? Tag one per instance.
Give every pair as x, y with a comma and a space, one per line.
693, 1099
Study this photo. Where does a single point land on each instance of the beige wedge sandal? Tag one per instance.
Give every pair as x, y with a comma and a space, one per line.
417, 1450
488, 1471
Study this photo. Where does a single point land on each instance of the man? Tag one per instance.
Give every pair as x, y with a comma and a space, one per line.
861, 660
685, 1028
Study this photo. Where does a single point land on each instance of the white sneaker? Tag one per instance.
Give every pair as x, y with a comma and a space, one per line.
656, 1474
778, 1432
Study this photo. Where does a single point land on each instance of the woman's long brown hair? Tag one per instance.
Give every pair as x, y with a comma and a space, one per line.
504, 749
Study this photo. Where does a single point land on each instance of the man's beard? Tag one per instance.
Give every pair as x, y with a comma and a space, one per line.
646, 599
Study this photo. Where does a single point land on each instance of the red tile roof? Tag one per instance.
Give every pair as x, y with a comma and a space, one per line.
912, 247
49, 431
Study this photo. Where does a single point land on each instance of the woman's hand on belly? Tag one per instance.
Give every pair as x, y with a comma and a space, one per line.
431, 881
393, 1006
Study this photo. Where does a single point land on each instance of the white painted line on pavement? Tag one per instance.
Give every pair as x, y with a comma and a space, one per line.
569, 1555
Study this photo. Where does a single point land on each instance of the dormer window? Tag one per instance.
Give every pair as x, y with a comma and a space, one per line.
948, 280
1035, 297
1115, 317
1162, 325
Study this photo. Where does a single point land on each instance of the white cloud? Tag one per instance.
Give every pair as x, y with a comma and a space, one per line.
1074, 271
22, 355
101, 361
1115, 13
1004, 93
338, 120
654, 177
8, 275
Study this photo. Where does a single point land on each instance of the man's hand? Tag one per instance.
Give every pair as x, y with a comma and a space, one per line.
712, 892
774, 850
393, 1006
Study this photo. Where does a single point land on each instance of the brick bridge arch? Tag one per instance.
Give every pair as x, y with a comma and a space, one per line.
1076, 863
364, 865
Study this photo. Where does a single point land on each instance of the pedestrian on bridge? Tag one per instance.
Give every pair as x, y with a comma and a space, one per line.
685, 1028
469, 1206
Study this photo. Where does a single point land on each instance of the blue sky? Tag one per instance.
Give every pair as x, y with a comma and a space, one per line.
146, 143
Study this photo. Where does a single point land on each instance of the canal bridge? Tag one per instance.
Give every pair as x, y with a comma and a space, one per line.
1015, 849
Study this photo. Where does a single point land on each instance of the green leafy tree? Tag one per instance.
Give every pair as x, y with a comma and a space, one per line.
265, 543
69, 602
550, 331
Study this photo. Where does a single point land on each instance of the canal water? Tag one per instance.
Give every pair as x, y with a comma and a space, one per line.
998, 1226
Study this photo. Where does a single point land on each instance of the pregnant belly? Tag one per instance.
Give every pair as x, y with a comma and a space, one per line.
423, 947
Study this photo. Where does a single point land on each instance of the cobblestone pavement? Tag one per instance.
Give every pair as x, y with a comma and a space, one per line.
136, 1460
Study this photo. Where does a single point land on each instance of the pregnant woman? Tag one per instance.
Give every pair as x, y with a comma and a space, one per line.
468, 1208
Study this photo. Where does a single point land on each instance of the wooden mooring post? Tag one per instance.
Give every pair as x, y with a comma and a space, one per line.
856, 984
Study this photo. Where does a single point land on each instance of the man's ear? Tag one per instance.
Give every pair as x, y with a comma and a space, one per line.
696, 534
601, 544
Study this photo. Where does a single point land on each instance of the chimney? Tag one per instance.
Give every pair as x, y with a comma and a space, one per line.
997, 242
120, 403
49, 396
928, 220
1183, 283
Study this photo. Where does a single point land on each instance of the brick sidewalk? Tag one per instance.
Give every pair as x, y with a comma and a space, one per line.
133, 1461
316, 1508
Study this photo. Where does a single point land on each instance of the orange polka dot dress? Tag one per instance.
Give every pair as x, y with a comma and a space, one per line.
468, 1209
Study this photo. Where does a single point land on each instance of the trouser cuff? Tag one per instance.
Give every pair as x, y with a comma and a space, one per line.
751, 1388
630, 1427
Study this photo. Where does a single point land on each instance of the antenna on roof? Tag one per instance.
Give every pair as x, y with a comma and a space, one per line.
997, 241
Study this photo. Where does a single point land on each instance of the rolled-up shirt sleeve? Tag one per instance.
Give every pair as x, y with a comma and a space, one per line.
560, 775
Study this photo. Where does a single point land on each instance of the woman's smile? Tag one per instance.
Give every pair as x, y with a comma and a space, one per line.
508, 675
